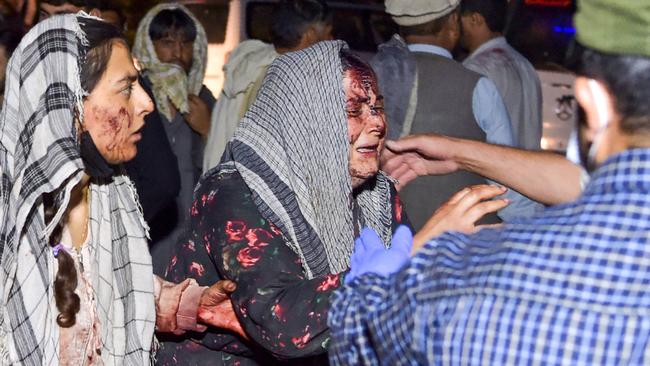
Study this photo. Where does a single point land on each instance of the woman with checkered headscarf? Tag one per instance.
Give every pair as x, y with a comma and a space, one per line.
76, 285
279, 215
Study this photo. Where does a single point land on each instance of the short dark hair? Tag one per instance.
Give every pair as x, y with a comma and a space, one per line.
494, 12
426, 29
352, 61
291, 18
107, 5
97, 52
79, 3
170, 21
10, 38
626, 77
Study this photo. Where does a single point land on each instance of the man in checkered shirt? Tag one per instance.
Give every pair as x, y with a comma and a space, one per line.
569, 286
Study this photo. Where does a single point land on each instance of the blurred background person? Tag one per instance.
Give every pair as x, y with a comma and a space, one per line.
171, 47
279, 215
295, 24
482, 23
567, 286
427, 91
299, 181
9, 38
76, 279
47, 8
20, 12
110, 12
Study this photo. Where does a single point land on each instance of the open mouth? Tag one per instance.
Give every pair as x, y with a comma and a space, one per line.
368, 149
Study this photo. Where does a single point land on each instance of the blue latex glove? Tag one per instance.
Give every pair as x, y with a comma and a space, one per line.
370, 255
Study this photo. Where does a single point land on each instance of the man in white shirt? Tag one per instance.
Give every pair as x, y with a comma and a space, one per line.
482, 24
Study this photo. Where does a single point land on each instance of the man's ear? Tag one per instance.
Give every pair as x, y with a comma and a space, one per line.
95, 12
477, 19
596, 101
454, 25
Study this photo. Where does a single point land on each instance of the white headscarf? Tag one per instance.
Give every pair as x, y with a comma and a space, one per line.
291, 148
39, 153
170, 82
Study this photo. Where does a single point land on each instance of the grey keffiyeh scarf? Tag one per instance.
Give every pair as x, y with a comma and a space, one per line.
39, 153
291, 149
170, 82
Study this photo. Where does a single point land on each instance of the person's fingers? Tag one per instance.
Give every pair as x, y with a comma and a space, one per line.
487, 226
479, 193
458, 196
400, 171
183, 285
222, 288
229, 286
404, 178
385, 156
392, 162
483, 208
408, 143
193, 102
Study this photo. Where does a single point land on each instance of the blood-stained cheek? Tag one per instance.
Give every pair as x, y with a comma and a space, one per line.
355, 127
110, 129
117, 127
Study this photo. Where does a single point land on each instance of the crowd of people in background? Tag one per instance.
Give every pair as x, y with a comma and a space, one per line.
324, 208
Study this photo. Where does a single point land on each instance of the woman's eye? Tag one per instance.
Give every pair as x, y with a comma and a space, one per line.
353, 112
127, 91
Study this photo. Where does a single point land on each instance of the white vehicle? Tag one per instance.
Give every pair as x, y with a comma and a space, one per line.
540, 29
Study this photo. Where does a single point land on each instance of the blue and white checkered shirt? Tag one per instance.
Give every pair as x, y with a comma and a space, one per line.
569, 286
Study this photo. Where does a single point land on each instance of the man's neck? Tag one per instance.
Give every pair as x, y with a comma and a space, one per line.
481, 39
434, 41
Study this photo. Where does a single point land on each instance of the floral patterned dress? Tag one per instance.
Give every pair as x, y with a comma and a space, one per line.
284, 314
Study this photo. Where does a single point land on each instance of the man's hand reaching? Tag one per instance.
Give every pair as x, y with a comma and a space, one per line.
216, 308
418, 155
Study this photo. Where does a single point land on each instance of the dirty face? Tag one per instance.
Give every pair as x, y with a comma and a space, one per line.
47, 10
114, 111
175, 48
366, 124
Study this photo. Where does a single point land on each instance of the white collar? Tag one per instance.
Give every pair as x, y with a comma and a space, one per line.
494, 42
429, 48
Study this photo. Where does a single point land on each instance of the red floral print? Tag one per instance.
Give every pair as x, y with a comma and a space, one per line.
258, 237
278, 312
282, 310
197, 269
235, 230
248, 256
330, 282
302, 340
194, 211
190, 246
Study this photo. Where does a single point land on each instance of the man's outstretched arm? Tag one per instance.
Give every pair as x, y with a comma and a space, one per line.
543, 176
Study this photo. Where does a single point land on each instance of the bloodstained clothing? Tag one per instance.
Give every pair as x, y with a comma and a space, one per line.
284, 314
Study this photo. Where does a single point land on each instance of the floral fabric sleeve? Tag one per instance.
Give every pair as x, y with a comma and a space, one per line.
279, 308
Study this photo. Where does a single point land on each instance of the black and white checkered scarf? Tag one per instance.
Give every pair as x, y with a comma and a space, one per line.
291, 149
38, 154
